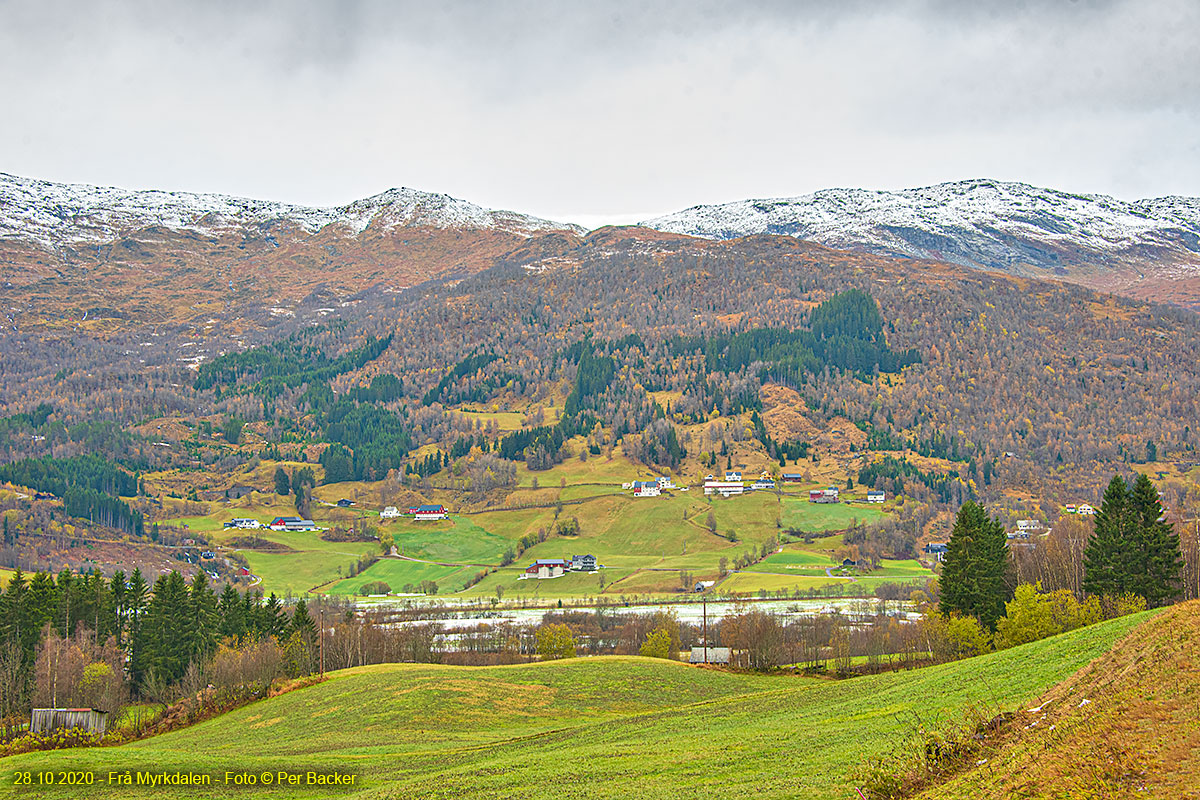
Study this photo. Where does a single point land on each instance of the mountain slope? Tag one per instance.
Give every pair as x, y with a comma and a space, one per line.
58, 216
72, 253
1145, 248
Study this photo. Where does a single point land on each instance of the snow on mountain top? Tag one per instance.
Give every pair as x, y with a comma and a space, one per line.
948, 220
57, 214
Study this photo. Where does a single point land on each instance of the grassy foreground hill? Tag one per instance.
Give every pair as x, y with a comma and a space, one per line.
612, 727
1127, 725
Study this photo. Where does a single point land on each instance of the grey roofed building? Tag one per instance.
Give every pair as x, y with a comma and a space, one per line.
585, 563
45, 720
716, 655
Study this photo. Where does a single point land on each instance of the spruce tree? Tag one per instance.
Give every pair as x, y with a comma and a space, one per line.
233, 615
974, 573
302, 623
251, 602
283, 484
204, 622
168, 639
273, 622
117, 590
15, 615
43, 602
1132, 549
1157, 562
1107, 557
136, 635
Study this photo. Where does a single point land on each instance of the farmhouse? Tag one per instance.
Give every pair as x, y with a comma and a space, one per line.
937, 550
646, 489
665, 482
45, 720
586, 563
876, 496
704, 586
731, 475
1028, 526
391, 512
344, 503
429, 512
546, 568
823, 496
240, 522
1086, 510
292, 524
765, 481
793, 477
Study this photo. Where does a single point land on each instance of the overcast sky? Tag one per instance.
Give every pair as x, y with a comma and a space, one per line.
600, 111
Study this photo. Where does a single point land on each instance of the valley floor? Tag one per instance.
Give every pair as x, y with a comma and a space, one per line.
626, 727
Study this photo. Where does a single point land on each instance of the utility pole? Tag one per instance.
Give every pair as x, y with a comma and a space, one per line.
704, 607
322, 640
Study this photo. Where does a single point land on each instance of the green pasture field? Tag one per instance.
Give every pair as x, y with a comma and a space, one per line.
298, 572
752, 582
900, 568
397, 572
312, 561
457, 540
628, 727
572, 584
799, 514
794, 558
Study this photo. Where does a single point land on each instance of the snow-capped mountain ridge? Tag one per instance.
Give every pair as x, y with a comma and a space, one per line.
56, 215
980, 223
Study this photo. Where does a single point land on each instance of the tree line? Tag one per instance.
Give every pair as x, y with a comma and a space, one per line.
1132, 555
162, 630
89, 486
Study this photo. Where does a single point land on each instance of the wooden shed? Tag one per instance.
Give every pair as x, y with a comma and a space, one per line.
46, 720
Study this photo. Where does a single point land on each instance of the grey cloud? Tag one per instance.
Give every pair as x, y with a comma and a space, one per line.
593, 109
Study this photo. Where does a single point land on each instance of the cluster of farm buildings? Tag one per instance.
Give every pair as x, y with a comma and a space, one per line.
545, 568
733, 484
422, 512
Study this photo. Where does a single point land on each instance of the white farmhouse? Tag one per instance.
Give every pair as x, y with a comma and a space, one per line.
646, 489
